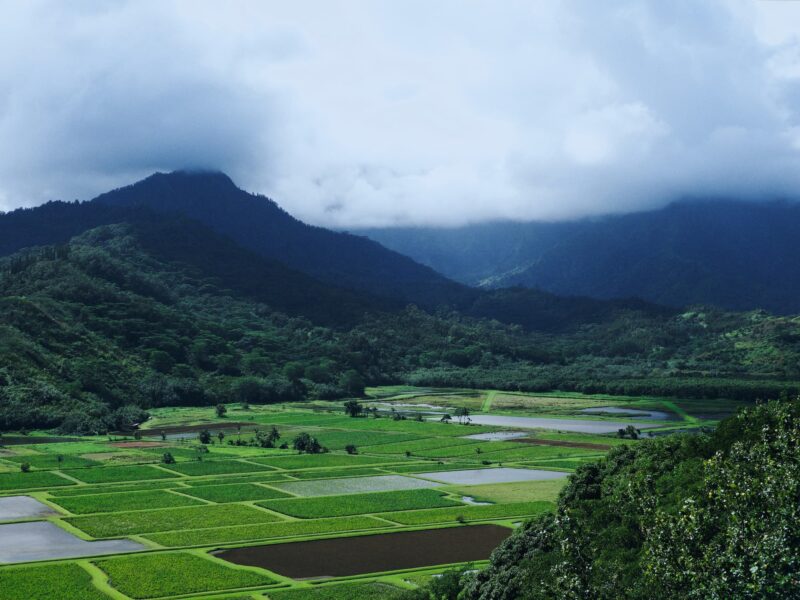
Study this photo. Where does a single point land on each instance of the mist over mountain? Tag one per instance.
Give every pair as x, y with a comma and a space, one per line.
735, 255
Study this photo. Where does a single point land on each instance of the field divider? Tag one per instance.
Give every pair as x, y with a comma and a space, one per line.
67, 476
185, 495
101, 581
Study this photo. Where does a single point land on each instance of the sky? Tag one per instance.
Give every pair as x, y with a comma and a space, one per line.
377, 113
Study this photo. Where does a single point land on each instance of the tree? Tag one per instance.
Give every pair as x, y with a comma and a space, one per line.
351, 449
352, 382
446, 418
304, 443
204, 436
353, 408
462, 413
221, 410
167, 458
60, 460
25, 467
220, 436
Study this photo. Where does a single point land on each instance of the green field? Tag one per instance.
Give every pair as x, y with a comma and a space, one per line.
169, 519
235, 492
157, 575
358, 504
123, 502
241, 533
65, 581
243, 494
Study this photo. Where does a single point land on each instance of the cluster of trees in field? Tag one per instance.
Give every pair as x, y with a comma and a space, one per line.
686, 516
94, 333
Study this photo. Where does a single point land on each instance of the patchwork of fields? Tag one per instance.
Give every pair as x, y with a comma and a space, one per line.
170, 505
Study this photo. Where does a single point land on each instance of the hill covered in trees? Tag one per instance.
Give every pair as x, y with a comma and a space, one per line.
157, 311
688, 516
736, 255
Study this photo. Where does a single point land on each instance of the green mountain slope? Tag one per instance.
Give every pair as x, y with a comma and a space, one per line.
165, 312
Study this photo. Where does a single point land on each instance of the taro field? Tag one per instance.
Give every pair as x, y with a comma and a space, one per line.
193, 506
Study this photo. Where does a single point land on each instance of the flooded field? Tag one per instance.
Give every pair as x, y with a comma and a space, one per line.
42, 540
497, 436
574, 425
13, 508
372, 553
501, 475
353, 485
628, 412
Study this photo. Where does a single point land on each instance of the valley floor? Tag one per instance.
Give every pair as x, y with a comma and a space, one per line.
165, 516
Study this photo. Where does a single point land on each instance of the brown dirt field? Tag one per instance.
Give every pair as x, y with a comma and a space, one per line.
340, 557
561, 444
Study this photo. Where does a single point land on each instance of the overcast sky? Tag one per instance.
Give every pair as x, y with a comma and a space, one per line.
406, 112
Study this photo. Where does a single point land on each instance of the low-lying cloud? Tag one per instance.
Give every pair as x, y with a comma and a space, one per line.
361, 113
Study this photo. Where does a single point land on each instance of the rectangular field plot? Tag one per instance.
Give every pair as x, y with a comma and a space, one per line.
260, 477
84, 490
217, 467
22, 507
519, 491
169, 519
310, 461
417, 446
114, 474
123, 501
158, 575
235, 492
57, 581
341, 557
337, 440
342, 591
470, 513
43, 540
430, 466
31, 480
335, 473
536, 452
470, 451
50, 461
244, 533
500, 475
357, 504
353, 485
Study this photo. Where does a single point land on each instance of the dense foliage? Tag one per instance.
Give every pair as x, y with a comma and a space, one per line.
133, 316
707, 516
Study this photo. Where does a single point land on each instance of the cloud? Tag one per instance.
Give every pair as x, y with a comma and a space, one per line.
353, 113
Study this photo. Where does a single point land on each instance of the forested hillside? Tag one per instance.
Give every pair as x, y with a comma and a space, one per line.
158, 312
736, 255
687, 516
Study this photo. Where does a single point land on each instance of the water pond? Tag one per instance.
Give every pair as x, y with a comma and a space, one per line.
353, 485
499, 475
575, 425
43, 540
13, 508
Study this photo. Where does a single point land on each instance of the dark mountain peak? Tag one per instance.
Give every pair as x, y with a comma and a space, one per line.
176, 190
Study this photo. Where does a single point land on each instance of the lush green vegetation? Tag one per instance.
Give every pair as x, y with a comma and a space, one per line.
65, 581
469, 513
169, 519
358, 504
157, 575
235, 492
686, 516
126, 473
149, 320
241, 533
217, 467
123, 502
31, 480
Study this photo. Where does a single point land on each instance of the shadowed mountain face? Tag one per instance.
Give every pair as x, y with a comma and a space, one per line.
730, 254
260, 225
